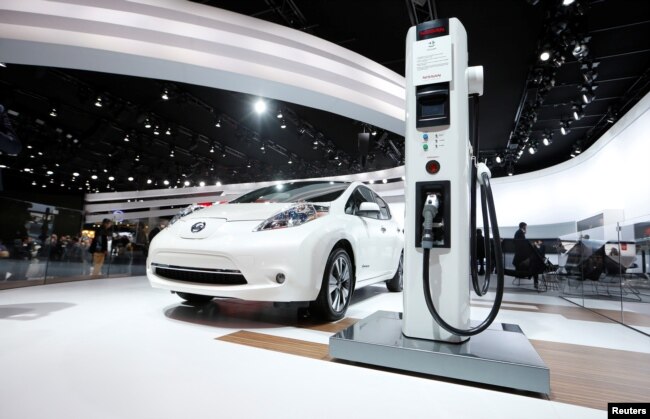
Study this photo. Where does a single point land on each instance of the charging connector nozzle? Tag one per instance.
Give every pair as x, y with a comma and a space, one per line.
429, 212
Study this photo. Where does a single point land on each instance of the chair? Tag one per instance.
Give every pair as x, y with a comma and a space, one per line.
526, 262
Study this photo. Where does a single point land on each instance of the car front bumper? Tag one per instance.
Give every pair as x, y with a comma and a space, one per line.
236, 253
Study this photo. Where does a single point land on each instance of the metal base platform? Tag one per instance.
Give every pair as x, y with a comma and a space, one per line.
500, 356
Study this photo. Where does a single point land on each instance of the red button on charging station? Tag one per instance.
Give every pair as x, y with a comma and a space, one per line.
433, 167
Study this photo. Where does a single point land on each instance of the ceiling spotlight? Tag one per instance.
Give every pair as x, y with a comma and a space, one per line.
290, 161
201, 183
283, 124
587, 92
580, 49
147, 123
137, 157
75, 174
171, 153
547, 138
53, 113
577, 148
218, 123
186, 183
111, 178
98, 102
498, 158
567, 2
249, 165
212, 149
336, 157
532, 149
577, 112
340, 163
34, 182
93, 177
223, 154
510, 169
262, 147
373, 132
126, 138
590, 71
155, 131
49, 172
545, 55
165, 182
564, 127
149, 181
279, 115
218, 183
168, 132
105, 170
165, 94
130, 178
212, 168
260, 106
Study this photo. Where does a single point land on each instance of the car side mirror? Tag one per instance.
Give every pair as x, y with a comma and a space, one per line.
368, 208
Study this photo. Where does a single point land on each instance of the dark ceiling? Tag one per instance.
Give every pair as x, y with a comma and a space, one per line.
525, 98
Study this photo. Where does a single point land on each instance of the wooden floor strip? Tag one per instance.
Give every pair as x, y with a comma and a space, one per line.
279, 344
592, 377
580, 375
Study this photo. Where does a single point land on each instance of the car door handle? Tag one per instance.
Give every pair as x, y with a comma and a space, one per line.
383, 229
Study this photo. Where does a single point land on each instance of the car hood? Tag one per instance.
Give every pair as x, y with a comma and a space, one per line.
240, 212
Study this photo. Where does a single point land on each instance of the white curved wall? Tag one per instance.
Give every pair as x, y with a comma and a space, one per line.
193, 43
612, 174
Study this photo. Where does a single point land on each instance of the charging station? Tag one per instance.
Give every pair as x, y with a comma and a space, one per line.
434, 334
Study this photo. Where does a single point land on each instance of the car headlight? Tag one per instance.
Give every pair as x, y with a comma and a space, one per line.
186, 211
293, 217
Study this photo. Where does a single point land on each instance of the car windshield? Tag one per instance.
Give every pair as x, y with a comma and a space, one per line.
294, 192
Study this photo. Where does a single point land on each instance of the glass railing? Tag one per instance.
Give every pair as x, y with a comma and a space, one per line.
43, 244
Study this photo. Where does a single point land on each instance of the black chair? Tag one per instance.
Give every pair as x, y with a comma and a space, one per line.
526, 262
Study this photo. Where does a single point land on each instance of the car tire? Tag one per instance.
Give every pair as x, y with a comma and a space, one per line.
397, 282
336, 288
195, 299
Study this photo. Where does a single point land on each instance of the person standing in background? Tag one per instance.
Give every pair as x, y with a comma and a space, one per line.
99, 245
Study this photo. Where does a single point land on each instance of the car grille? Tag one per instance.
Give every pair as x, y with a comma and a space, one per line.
201, 276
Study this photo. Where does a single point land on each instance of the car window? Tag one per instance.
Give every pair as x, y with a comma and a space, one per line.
359, 195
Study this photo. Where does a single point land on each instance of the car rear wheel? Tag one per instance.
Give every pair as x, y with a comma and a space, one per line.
336, 288
195, 299
397, 282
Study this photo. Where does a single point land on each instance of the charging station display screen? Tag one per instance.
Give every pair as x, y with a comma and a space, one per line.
432, 107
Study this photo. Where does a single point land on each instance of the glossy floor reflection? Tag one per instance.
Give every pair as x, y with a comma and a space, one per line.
116, 348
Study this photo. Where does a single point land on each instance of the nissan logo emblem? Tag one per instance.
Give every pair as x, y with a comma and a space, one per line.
196, 227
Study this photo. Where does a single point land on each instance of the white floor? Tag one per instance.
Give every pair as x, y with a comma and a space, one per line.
117, 348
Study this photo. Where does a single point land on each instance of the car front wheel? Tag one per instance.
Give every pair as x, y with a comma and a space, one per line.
337, 287
195, 299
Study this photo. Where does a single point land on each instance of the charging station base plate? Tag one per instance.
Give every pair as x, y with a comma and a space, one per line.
501, 355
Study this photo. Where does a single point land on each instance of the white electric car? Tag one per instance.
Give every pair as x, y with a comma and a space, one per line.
295, 242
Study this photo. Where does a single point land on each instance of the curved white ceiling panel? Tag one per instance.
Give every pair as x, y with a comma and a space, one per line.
197, 44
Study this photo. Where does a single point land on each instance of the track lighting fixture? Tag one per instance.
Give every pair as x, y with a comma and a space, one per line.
564, 127
577, 112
